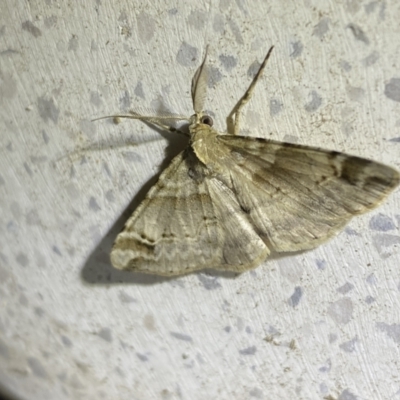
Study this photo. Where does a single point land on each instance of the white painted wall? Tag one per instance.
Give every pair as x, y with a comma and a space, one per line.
322, 324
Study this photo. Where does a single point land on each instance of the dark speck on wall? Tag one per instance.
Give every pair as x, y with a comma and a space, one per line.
346, 288
73, 43
321, 264
371, 59
142, 357
296, 296
248, 351
187, 55
214, 76
28, 169
349, 346
228, 62
392, 330
28, 26
296, 49
392, 89
321, 28
105, 334
93, 204
236, 31
181, 336
22, 259
36, 367
209, 282
314, 103
382, 223
56, 250
275, 107
125, 100
358, 33
253, 69
139, 90
48, 110
347, 395
66, 341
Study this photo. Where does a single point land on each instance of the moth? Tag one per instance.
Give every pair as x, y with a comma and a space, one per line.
227, 201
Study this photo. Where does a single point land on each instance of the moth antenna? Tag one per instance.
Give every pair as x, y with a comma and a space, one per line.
199, 86
147, 118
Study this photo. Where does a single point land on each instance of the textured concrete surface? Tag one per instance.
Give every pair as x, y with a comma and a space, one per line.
322, 324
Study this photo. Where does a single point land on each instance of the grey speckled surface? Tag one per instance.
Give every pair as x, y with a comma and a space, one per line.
322, 324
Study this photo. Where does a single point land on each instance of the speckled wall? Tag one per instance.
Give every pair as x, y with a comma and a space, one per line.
323, 324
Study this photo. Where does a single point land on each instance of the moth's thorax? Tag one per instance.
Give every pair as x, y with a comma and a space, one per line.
204, 143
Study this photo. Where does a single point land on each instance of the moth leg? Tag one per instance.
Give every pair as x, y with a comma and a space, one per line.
164, 126
150, 120
157, 122
233, 119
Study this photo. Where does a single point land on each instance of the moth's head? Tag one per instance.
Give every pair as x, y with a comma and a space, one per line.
200, 118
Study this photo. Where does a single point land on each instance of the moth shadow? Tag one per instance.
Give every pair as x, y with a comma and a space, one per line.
98, 269
275, 256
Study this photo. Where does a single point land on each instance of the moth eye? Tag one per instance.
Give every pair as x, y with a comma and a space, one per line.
206, 119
